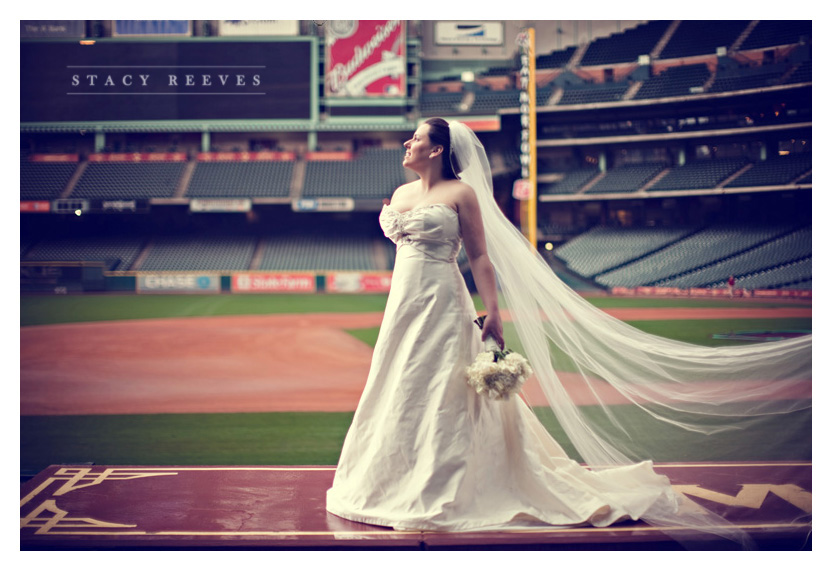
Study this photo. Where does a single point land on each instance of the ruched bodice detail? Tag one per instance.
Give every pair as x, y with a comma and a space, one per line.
432, 230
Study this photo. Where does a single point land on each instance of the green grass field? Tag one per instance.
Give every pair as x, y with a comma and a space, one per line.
315, 438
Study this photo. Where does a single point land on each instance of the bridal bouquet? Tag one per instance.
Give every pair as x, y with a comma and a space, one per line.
497, 373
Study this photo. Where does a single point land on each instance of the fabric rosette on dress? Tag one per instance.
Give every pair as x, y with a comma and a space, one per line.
497, 373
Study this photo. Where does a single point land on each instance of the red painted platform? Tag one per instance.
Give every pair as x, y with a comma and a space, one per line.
282, 507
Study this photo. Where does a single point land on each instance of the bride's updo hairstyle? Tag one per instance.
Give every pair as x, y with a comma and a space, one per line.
440, 134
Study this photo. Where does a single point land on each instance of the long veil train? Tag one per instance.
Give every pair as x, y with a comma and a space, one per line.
683, 391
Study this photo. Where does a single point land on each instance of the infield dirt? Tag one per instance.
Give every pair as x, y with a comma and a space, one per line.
271, 363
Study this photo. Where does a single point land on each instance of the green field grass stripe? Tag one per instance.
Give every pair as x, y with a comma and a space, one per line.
699, 332
190, 439
45, 310
299, 438
50, 309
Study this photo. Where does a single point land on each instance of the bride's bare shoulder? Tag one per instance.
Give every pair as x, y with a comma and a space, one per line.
463, 193
401, 193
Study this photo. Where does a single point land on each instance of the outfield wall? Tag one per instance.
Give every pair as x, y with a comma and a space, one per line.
68, 277
650, 291
77, 277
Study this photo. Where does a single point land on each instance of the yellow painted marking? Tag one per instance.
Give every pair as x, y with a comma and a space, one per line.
752, 495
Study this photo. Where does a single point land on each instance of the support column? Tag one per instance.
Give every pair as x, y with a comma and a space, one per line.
100, 141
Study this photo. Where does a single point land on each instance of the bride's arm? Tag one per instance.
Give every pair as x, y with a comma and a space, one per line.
473, 236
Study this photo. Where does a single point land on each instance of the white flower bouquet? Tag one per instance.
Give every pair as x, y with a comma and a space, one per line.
497, 373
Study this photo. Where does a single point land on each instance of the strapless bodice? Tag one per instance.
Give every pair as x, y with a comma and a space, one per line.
432, 230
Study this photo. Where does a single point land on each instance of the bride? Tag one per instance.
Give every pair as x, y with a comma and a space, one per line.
426, 452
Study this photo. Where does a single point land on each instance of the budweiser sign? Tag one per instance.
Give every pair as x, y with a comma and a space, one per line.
365, 58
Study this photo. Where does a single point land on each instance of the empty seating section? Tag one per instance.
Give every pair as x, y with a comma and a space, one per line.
581, 95
626, 46
571, 183
439, 103
699, 174
770, 33
314, 252
627, 178
390, 254
702, 37
801, 74
374, 174
241, 179
796, 275
544, 94
489, 101
203, 253
497, 71
44, 181
753, 77
555, 59
675, 81
602, 248
705, 247
691, 38
117, 253
129, 180
775, 171
786, 249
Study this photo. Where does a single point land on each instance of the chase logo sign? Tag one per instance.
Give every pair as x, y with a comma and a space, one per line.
177, 283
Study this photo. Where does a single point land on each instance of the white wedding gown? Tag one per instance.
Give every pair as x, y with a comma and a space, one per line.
425, 452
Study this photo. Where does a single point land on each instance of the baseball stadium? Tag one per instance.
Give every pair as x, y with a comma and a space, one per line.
203, 275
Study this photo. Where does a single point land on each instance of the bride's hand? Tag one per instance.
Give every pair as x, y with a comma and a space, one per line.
493, 327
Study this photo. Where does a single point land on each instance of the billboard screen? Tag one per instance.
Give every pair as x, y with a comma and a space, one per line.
165, 80
151, 27
469, 34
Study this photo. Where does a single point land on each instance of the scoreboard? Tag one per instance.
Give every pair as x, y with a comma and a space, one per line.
144, 80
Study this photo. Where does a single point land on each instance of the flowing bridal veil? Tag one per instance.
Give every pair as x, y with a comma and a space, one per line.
622, 395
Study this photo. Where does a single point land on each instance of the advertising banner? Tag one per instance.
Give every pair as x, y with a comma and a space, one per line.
35, 206
61, 277
134, 80
220, 205
620, 290
356, 282
136, 157
259, 28
54, 158
323, 205
366, 58
767, 293
177, 283
244, 156
273, 283
122, 205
